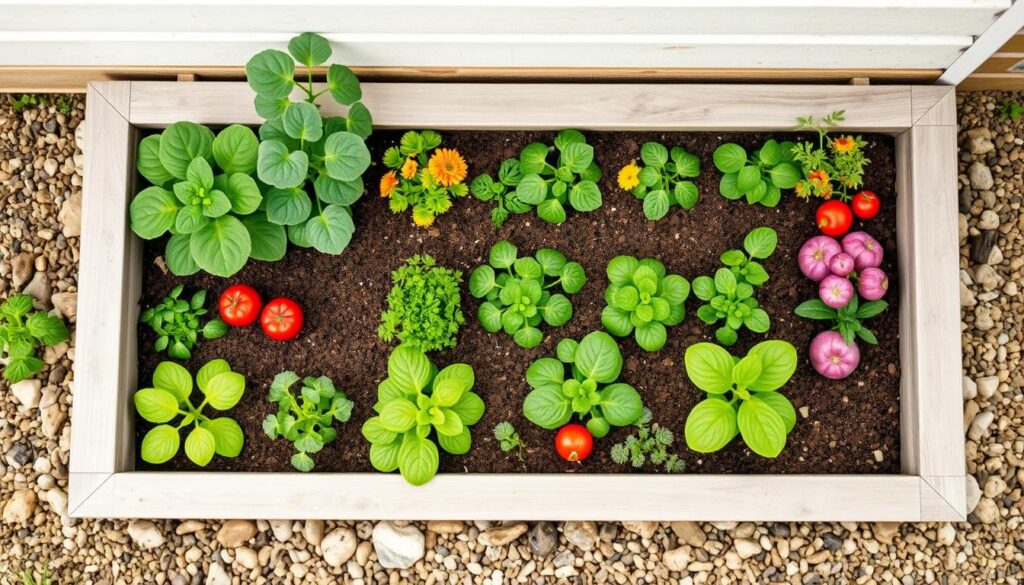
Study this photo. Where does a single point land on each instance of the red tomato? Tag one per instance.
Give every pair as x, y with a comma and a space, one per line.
281, 319
573, 442
240, 305
834, 218
866, 204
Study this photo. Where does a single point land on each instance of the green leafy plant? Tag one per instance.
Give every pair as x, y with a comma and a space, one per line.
22, 332
663, 181
502, 191
508, 439
588, 390
650, 443
203, 193
415, 402
847, 319
26, 100
176, 322
835, 165
643, 300
518, 291
761, 176
27, 577
730, 294
742, 397
170, 397
301, 152
425, 182
306, 421
572, 179
424, 305
1010, 110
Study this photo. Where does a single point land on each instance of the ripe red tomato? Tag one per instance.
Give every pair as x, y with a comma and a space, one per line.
866, 204
281, 319
834, 218
573, 442
240, 305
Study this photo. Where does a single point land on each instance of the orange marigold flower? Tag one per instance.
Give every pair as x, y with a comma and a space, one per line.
827, 192
447, 166
409, 168
801, 188
818, 177
629, 176
388, 183
844, 143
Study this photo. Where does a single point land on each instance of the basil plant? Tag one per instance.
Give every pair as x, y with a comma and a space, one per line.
643, 300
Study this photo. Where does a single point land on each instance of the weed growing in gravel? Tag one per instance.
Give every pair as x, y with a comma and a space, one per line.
22, 332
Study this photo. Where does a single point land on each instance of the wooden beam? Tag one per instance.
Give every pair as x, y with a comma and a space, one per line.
1003, 29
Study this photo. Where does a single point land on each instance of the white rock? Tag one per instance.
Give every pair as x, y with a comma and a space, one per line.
979, 426
677, 559
28, 392
644, 529
995, 257
987, 511
445, 526
22, 269
967, 297
58, 500
339, 545
690, 533
947, 534
979, 141
980, 177
145, 534
217, 575
67, 304
973, 493
247, 557
987, 386
989, 220
502, 535
397, 547
582, 535
70, 215
189, 527
282, 530
313, 531
52, 421
747, 548
20, 507
970, 388
994, 486
987, 277
39, 288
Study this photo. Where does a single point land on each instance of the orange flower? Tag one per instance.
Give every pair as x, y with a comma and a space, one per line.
447, 166
827, 192
818, 177
844, 144
388, 183
801, 188
409, 168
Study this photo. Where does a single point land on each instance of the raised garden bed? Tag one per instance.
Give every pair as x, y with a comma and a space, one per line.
903, 400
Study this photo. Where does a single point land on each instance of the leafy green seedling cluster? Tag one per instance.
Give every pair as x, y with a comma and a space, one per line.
1008, 110
176, 323
761, 176
508, 439
590, 389
730, 294
847, 319
519, 291
424, 305
571, 180
501, 191
415, 402
170, 397
650, 443
306, 421
301, 152
743, 397
643, 300
22, 332
665, 179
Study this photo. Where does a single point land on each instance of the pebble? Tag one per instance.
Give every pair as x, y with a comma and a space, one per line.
28, 392
502, 535
20, 507
338, 546
217, 575
989, 220
582, 535
282, 530
247, 557
22, 269
746, 548
987, 511
987, 386
979, 426
543, 539
313, 532
445, 526
970, 388
145, 534
643, 529
689, 533
189, 527
39, 288
397, 547
66, 304
946, 534
71, 216
677, 559
980, 177
235, 533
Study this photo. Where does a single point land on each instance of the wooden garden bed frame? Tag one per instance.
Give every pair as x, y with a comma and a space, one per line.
931, 486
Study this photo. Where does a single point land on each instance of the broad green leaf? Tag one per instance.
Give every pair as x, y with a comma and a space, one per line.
384, 456
551, 261
598, 357
651, 336
757, 321
557, 311
469, 408
621, 404
730, 157
338, 192
746, 371
450, 425
686, 194
271, 73
331, 231
566, 350
654, 154
727, 187
179, 255
274, 130
545, 372
269, 241
748, 178
181, 143
160, 444
236, 149
222, 247
459, 374
374, 432
224, 390
503, 255
785, 176
301, 461
710, 426
456, 444
656, 204
398, 415
778, 363
241, 190
490, 317
616, 321
568, 136
288, 206
271, 108
409, 368
687, 164
709, 367
417, 459
532, 158
481, 281
148, 161
815, 309
551, 211
577, 156
200, 446
156, 405
763, 430
761, 242
675, 289
302, 122
227, 435
209, 370
726, 335
173, 378
343, 85
359, 120
280, 167
153, 211
218, 205
782, 406
585, 196
48, 329
626, 298
547, 407
725, 281
345, 156
528, 269
573, 277
310, 49
772, 196
532, 189
770, 154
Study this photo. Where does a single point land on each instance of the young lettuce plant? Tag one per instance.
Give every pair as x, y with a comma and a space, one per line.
742, 397
761, 177
203, 193
423, 181
169, 397
589, 390
643, 300
414, 402
22, 332
308, 422
424, 305
502, 191
176, 322
518, 291
571, 180
662, 183
303, 153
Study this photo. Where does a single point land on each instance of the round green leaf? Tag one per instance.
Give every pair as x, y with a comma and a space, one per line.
527, 268
374, 431
757, 321
654, 154
573, 277
359, 120
301, 461
585, 196
156, 405
709, 367
651, 336
399, 415
532, 189
271, 108
551, 211
686, 194
726, 335
209, 370
215, 329
269, 241
224, 390
417, 459
621, 404
528, 337
384, 456
746, 371
173, 378
236, 149
218, 206
761, 242
302, 121
179, 255
782, 406
656, 204
770, 154
190, 219
778, 363
338, 192
222, 247
181, 143
469, 408
547, 407
153, 211
598, 357
343, 85
730, 157
456, 444
725, 281
577, 156
532, 158
200, 446
545, 372
621, 268
551, 261
271, 73
616, 321
160, 444
763, 430
241, 190
675, 289
557, 311
310, 49
345, 156
503, 255
785, 176
568, 136
148, 161
727, 187
227, 435
748, 178
330, 231
481, 281
710, 426
490, 317
288, 206
280, 167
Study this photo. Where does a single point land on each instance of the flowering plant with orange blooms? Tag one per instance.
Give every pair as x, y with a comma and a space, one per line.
835, 165
423, 176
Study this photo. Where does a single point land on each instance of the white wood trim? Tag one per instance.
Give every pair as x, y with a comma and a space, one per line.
933, 105
948, 500
1008, 24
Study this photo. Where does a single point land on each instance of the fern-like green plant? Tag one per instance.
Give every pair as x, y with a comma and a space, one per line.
650, 443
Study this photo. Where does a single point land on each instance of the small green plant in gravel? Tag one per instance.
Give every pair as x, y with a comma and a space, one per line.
424, 305
650, 443
176, 321
759, 177
501, 191
508, 439
1010, 110
570, 180
590, 389
23, 331
415, 402
170, 397
664, 180
518, 291
643, 300
306, 421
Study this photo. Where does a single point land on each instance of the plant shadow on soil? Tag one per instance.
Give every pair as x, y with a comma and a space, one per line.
847, 421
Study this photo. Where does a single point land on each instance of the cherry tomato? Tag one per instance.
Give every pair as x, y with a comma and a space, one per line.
281, 319
573, 442
240, 305
834, 218
866, 204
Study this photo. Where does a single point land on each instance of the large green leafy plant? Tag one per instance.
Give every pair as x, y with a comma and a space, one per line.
643, 300
590, 389
518, 291
502, 191
22, 332
176, 323
664, 180
203, 193
415, 403
302, 153
170, 397
743, 397
306, 421
761, 176
570, 180
424, 305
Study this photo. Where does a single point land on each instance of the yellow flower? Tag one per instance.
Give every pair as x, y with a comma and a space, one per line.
447, 166
629, 176
409, 168
801, 188
843, 144
388, 183
422, 218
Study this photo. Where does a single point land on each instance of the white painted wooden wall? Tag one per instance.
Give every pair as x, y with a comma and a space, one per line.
858, 34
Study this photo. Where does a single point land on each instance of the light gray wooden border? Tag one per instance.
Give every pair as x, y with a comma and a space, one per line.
930, 487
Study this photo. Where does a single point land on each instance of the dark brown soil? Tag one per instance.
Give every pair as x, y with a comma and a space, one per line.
846, 421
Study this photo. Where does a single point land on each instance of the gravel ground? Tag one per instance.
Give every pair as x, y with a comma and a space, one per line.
40, 187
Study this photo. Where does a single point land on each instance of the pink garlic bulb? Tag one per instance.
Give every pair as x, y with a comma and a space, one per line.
865, 250
815, 255
835, 291
872, 283
832, 357
841, 264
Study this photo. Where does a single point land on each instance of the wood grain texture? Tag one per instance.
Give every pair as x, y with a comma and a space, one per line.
1001, 63
949, 501
993, 81
933, 105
